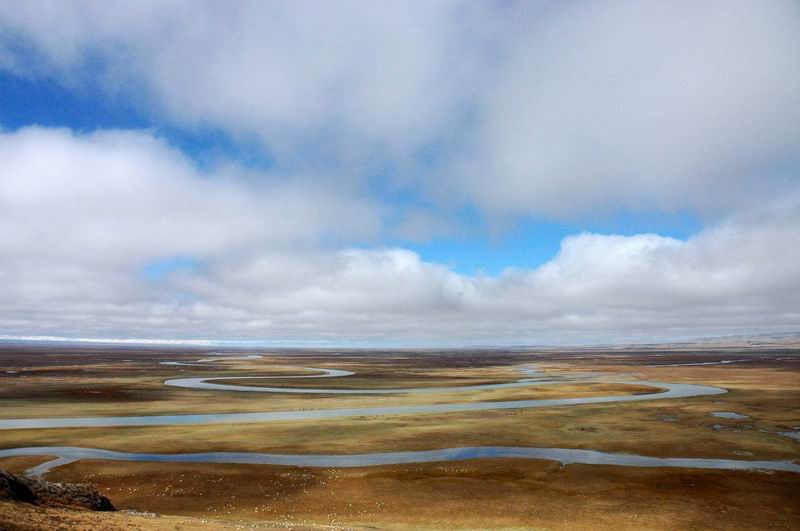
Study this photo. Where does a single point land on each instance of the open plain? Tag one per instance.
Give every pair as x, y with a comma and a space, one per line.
750, 415
411, 264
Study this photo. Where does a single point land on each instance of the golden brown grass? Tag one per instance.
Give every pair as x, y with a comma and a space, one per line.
503, 493
473, 494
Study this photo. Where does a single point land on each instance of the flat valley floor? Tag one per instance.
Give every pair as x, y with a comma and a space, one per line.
758, 418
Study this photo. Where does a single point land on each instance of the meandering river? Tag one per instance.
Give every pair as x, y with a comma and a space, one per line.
534, 377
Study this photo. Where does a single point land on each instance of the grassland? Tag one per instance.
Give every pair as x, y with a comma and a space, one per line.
477, 493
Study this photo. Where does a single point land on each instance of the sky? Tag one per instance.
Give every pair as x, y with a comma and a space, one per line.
405, 173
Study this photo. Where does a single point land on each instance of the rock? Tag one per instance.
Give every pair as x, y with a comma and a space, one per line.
41, 492
13, 488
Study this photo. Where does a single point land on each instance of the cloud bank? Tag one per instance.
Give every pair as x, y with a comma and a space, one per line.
568, 111
82, 215
537, 109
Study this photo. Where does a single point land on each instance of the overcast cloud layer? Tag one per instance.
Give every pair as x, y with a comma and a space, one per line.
558, 111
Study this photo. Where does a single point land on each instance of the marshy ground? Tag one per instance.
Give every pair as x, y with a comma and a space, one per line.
763, 384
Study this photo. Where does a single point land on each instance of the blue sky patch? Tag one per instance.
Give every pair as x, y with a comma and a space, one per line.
159, 269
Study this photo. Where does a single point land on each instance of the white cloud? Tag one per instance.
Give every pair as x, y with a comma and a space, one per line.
725, 279
671, 105
563, 110
117, 195
81, 214
293, 73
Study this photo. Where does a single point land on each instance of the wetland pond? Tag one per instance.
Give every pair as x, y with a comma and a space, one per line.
729, 415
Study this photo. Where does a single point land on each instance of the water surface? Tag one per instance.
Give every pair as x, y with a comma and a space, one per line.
728, 415
664, 390
565, 456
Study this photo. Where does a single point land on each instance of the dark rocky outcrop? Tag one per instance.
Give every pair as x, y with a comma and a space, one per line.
33, 490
